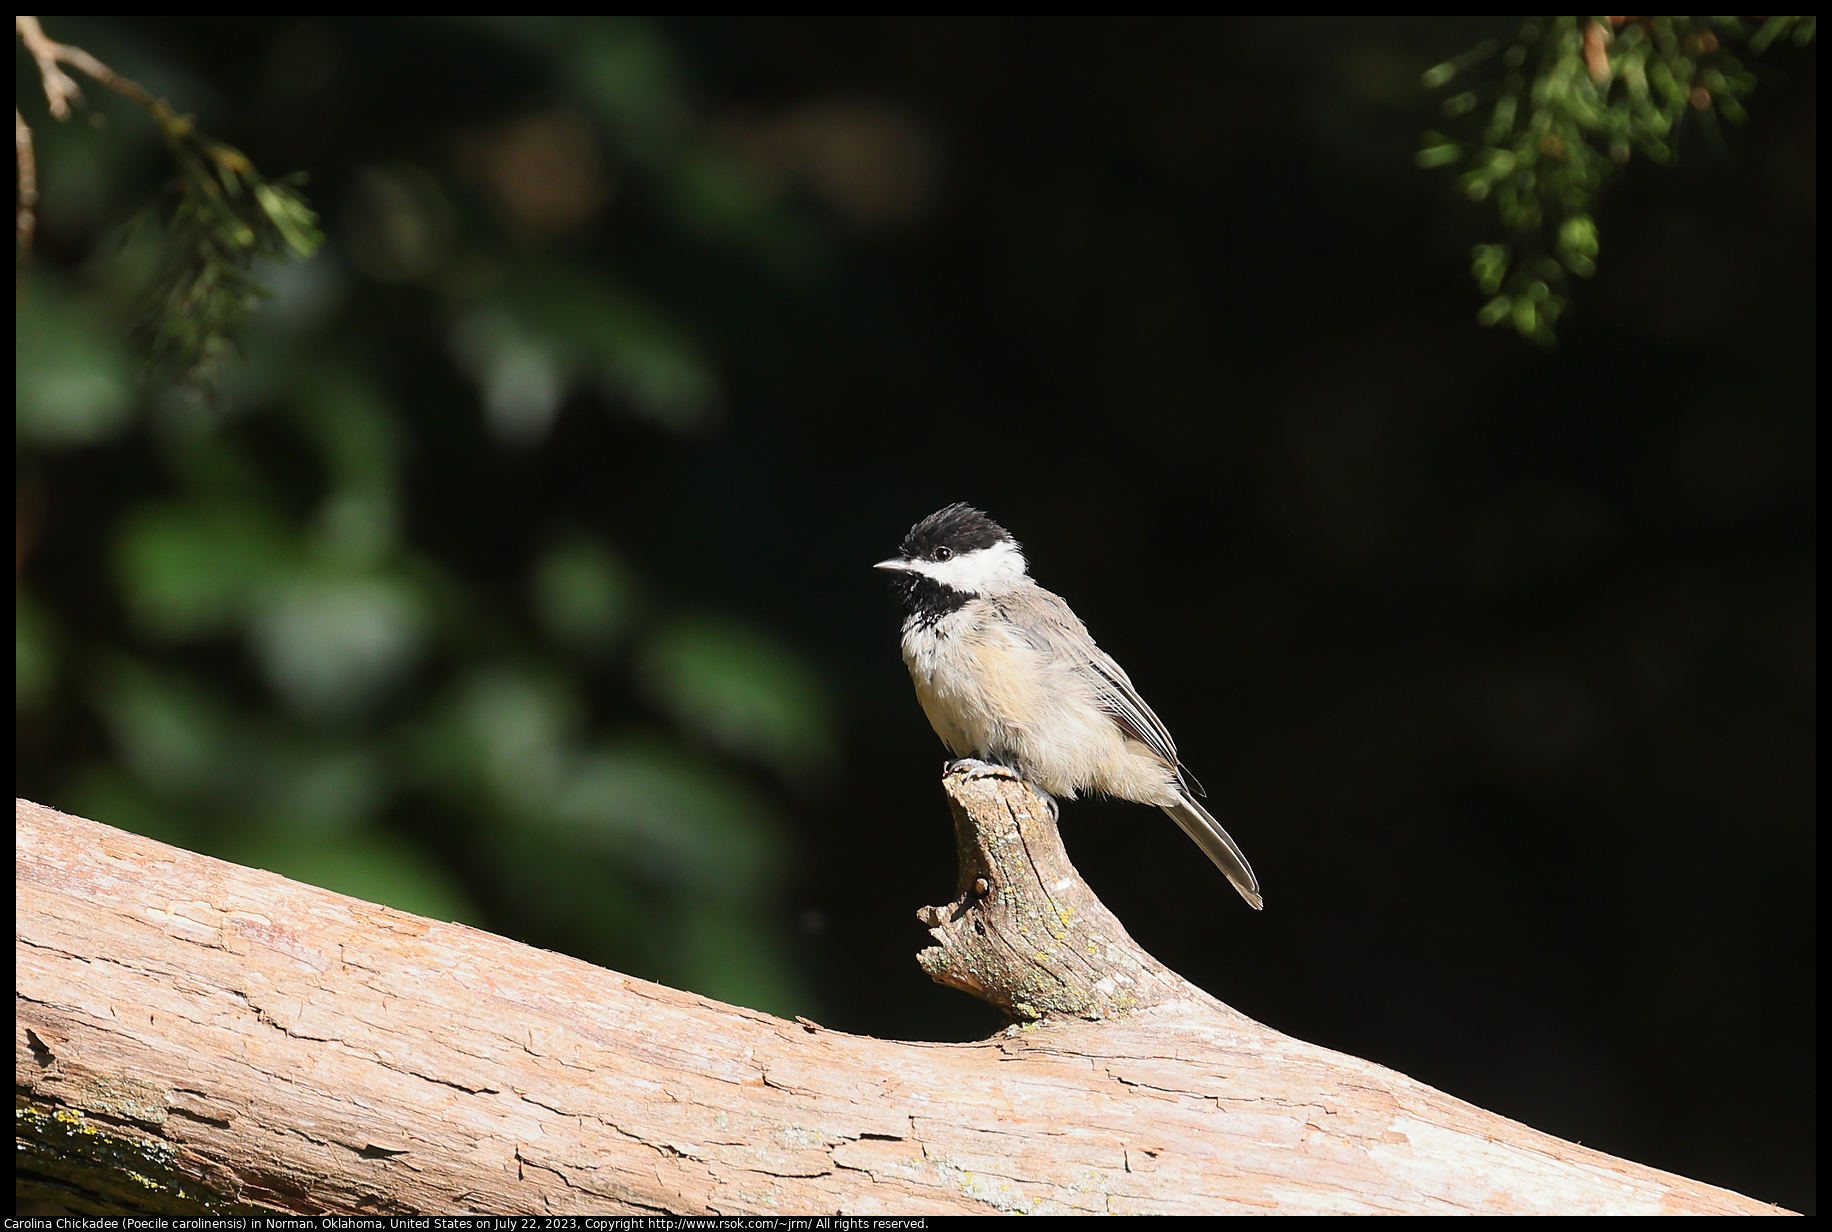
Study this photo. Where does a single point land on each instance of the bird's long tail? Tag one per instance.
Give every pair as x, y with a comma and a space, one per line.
1216, 844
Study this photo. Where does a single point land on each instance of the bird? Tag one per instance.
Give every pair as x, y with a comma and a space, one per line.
1008, 674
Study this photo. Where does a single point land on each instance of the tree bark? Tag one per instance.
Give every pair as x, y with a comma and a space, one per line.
1025, 932
195, 1036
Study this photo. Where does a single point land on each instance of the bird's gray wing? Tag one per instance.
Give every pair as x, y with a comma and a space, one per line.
1051, 626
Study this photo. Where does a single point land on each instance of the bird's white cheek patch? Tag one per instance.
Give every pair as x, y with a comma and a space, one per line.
978, 571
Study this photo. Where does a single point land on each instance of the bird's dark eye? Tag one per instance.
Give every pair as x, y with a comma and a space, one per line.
944, 553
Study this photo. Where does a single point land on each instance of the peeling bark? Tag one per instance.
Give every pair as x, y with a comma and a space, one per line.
195, 1036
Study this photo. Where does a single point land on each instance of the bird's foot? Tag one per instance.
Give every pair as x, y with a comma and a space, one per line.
974, 768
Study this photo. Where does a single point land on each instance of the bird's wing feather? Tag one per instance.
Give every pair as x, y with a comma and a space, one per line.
1059, 631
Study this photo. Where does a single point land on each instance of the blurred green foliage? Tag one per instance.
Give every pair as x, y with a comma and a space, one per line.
253, 640
1567, 104
214, 217
222, 217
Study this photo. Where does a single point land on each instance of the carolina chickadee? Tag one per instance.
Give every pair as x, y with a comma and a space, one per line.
1007, 673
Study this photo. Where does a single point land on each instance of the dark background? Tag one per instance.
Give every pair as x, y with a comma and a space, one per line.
1497, 661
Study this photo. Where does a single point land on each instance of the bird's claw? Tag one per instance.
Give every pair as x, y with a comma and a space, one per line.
973, 767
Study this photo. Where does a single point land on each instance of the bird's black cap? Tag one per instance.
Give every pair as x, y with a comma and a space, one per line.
960, 528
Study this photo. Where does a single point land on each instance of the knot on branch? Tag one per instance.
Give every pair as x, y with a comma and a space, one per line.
1026, 933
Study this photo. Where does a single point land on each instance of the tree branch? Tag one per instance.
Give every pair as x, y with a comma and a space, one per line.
61, 89
1026, 933
194, 1036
